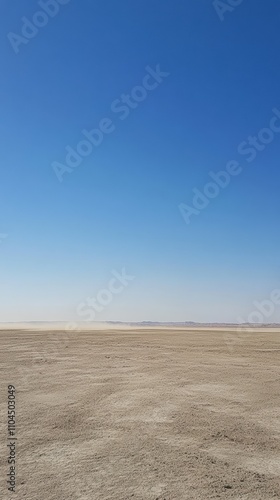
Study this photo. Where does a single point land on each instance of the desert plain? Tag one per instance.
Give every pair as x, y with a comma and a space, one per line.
142, 414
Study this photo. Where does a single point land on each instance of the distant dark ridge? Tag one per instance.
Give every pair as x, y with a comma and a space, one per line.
150, 323
190, 323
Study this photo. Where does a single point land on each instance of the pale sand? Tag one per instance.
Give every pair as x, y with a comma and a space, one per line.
143, 414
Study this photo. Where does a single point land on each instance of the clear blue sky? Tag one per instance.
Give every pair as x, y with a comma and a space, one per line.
119, 207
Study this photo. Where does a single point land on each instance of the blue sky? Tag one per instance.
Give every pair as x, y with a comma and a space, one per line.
119, 208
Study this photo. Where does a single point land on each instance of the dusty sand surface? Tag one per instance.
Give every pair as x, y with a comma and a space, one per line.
143, 414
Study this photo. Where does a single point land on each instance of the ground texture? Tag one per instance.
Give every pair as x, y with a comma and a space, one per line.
143, 414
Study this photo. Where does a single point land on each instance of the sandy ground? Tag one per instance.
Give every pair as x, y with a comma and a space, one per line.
142, 414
